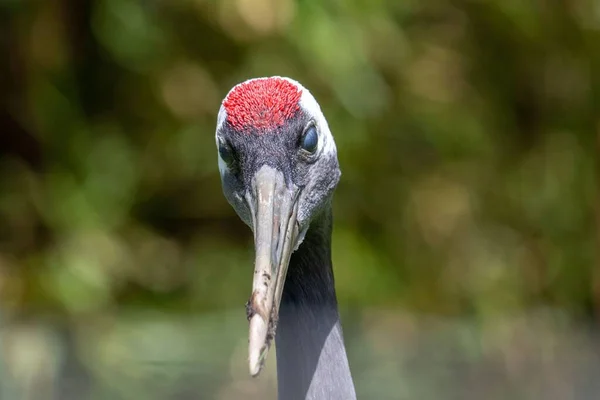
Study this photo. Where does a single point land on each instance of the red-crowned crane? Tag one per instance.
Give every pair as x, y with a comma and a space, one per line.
279, 168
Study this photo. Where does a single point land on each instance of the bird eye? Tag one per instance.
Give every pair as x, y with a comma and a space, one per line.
226, 154
310, 140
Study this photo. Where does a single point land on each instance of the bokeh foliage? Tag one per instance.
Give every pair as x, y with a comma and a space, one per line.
467, 132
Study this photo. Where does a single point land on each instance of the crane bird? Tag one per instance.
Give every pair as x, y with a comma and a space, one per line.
279, 168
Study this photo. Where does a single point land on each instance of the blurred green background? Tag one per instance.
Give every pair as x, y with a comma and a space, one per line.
466, 220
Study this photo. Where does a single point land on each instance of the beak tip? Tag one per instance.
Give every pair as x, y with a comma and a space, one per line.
254, 370
257, 343
255, 362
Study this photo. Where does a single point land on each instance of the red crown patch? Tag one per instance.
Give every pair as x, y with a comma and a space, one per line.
263, 104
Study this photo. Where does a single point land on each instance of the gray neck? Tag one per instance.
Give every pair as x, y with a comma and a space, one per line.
311, 357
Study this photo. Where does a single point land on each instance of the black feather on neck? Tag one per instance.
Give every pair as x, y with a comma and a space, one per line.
311, 357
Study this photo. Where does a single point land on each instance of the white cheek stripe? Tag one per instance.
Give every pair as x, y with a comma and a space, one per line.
308, 104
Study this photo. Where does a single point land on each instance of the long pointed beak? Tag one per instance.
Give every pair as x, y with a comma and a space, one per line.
275, 235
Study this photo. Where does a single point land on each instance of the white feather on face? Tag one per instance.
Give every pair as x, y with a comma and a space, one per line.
221, 117
310, 106
307, 103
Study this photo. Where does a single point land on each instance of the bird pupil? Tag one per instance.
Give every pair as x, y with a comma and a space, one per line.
310, 140
225, 153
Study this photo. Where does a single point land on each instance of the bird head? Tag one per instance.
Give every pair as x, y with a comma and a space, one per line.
278, 165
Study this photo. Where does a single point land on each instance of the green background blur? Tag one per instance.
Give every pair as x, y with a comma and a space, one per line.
465, 240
